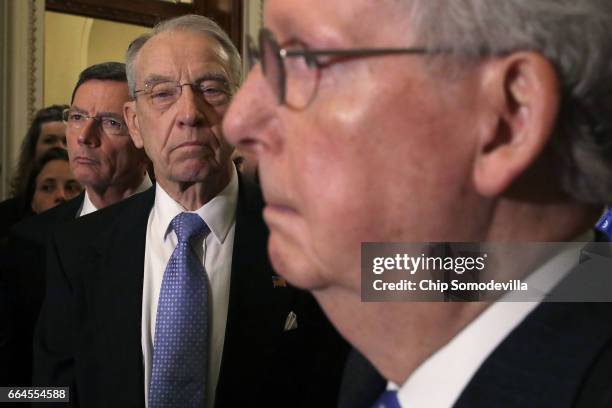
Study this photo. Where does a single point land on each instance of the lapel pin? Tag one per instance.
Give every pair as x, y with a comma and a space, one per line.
291, 322
279, 282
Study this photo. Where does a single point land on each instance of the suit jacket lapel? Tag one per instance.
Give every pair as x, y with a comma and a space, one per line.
361, 383
118, 294
256, 314
69, 210
556, 337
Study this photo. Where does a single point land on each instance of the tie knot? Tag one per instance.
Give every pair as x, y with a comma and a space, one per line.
387, 399
188, 226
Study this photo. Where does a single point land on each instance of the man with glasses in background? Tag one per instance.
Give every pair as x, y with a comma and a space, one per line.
106, 163
173, 302
439, 121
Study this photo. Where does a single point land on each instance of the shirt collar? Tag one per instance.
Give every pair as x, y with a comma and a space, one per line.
88, 207
219, 213
455, 364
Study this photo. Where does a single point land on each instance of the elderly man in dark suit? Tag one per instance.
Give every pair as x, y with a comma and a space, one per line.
173, 302
105, 161
432, 121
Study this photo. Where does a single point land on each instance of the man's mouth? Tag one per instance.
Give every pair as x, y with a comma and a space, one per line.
85, 160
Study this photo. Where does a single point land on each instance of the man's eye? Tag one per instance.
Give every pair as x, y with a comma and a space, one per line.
76, 117
110, 123
214, 94
163, 94
212, 91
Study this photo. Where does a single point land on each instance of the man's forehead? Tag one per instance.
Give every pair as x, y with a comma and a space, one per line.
105, 86
174, 51
339, 21
103, 94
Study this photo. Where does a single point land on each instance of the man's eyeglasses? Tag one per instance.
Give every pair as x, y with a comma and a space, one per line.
111, 125
294, 73
164, 94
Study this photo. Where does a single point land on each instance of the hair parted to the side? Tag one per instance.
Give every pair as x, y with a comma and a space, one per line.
575, 36
191, 23
105, 71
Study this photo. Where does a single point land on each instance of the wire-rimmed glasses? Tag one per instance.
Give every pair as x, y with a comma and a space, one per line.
163, 94
294, 73
110, 124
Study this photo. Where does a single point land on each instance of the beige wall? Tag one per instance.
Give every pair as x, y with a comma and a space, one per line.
73, 43
252, 23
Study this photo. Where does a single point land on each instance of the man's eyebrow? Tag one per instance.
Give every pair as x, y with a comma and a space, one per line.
213, 76
99, 114
111, 114
77, 109
209, 76
156, 78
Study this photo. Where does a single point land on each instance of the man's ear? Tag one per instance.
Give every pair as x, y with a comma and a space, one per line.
522, 93
131, 119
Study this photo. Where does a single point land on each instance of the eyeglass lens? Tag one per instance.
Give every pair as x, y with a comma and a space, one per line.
293, 81
164, 94
110, 125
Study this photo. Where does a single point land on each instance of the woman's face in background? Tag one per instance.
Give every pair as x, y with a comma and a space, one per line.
52, 134
55, 184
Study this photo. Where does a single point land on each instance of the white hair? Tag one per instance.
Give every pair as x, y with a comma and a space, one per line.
575, 36
191, 23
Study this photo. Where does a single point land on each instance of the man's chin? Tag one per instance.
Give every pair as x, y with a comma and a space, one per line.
87, 178
294, 267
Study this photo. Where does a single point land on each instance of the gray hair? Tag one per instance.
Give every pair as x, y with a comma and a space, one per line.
191, 23
575, 36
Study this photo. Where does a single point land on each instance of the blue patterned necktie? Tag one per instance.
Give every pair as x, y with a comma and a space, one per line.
387, 399
180, 350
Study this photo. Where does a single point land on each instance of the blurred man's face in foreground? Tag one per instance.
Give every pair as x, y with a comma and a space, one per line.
366, 149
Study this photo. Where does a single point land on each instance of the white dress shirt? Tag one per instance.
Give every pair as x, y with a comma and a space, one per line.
453, 366
216, 254
88, 207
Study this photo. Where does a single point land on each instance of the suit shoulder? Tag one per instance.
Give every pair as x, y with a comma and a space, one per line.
37, 227
103, 220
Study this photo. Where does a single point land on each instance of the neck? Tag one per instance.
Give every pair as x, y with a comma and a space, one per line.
555, 221
107, 195
194, 195
396, 337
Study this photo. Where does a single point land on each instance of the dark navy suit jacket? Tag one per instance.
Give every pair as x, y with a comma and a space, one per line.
89, 332
22, 281
559, 356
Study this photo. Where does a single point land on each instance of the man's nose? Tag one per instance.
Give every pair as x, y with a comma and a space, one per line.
89, 134
247, 124
191, 109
